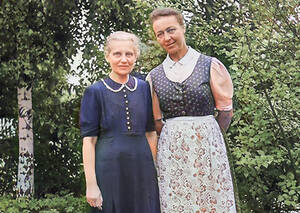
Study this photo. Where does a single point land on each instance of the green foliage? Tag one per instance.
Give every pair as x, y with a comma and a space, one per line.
265, 132
38, 38
65, 203
8, 164
37, 43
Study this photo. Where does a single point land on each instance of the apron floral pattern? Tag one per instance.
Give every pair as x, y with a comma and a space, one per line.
193, 168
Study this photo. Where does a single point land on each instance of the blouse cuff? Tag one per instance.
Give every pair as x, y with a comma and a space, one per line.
224, 108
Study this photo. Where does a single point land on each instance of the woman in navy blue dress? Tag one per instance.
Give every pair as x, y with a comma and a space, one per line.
119, 142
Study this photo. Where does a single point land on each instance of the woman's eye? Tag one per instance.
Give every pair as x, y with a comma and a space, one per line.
171, 30
129, 54
117, 54
159, 35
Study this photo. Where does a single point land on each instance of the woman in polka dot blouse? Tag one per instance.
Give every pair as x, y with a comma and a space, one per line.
188, 88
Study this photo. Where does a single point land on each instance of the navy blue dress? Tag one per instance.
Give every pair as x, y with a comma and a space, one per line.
120, 116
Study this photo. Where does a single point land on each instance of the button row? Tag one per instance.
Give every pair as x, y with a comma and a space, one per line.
127, 110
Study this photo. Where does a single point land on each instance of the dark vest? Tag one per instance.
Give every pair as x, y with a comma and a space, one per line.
192, 97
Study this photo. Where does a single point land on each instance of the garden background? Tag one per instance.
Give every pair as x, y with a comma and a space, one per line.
40, 161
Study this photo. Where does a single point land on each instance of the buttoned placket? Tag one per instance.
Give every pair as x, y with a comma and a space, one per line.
128, 123
125, 89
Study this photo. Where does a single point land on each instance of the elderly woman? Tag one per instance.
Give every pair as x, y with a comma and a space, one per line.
188, 88
117, 128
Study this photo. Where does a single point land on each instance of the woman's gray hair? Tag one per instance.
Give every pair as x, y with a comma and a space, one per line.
122, 36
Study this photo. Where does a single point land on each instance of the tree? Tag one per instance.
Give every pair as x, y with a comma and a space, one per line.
37, 40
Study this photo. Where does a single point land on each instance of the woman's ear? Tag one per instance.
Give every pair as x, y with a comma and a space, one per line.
106, 58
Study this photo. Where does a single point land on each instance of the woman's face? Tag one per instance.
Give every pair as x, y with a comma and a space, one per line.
170, 34
121, 57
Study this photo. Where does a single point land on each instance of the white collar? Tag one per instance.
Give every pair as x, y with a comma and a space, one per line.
190, 55
121, 85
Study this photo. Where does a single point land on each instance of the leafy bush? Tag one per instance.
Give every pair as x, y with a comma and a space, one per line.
50, 204
264, 135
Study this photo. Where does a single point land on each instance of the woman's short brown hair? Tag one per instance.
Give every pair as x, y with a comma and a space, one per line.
161, 12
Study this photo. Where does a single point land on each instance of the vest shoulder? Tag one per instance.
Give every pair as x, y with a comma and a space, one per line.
156, 70
206, 57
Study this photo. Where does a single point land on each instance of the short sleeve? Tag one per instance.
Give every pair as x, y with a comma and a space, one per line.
157, 114
150, 120
221, 85
89, 113
149, 81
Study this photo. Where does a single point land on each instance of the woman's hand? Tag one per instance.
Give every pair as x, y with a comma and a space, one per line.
94, 196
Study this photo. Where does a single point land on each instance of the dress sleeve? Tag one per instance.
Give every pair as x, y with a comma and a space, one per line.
148, 79
150, 120
89, 113
157, 114
221, 85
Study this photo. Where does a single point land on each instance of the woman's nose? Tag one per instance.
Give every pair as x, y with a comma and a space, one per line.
123, 59
167, 36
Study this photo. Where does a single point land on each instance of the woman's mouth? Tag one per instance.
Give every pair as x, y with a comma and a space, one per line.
170, 45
